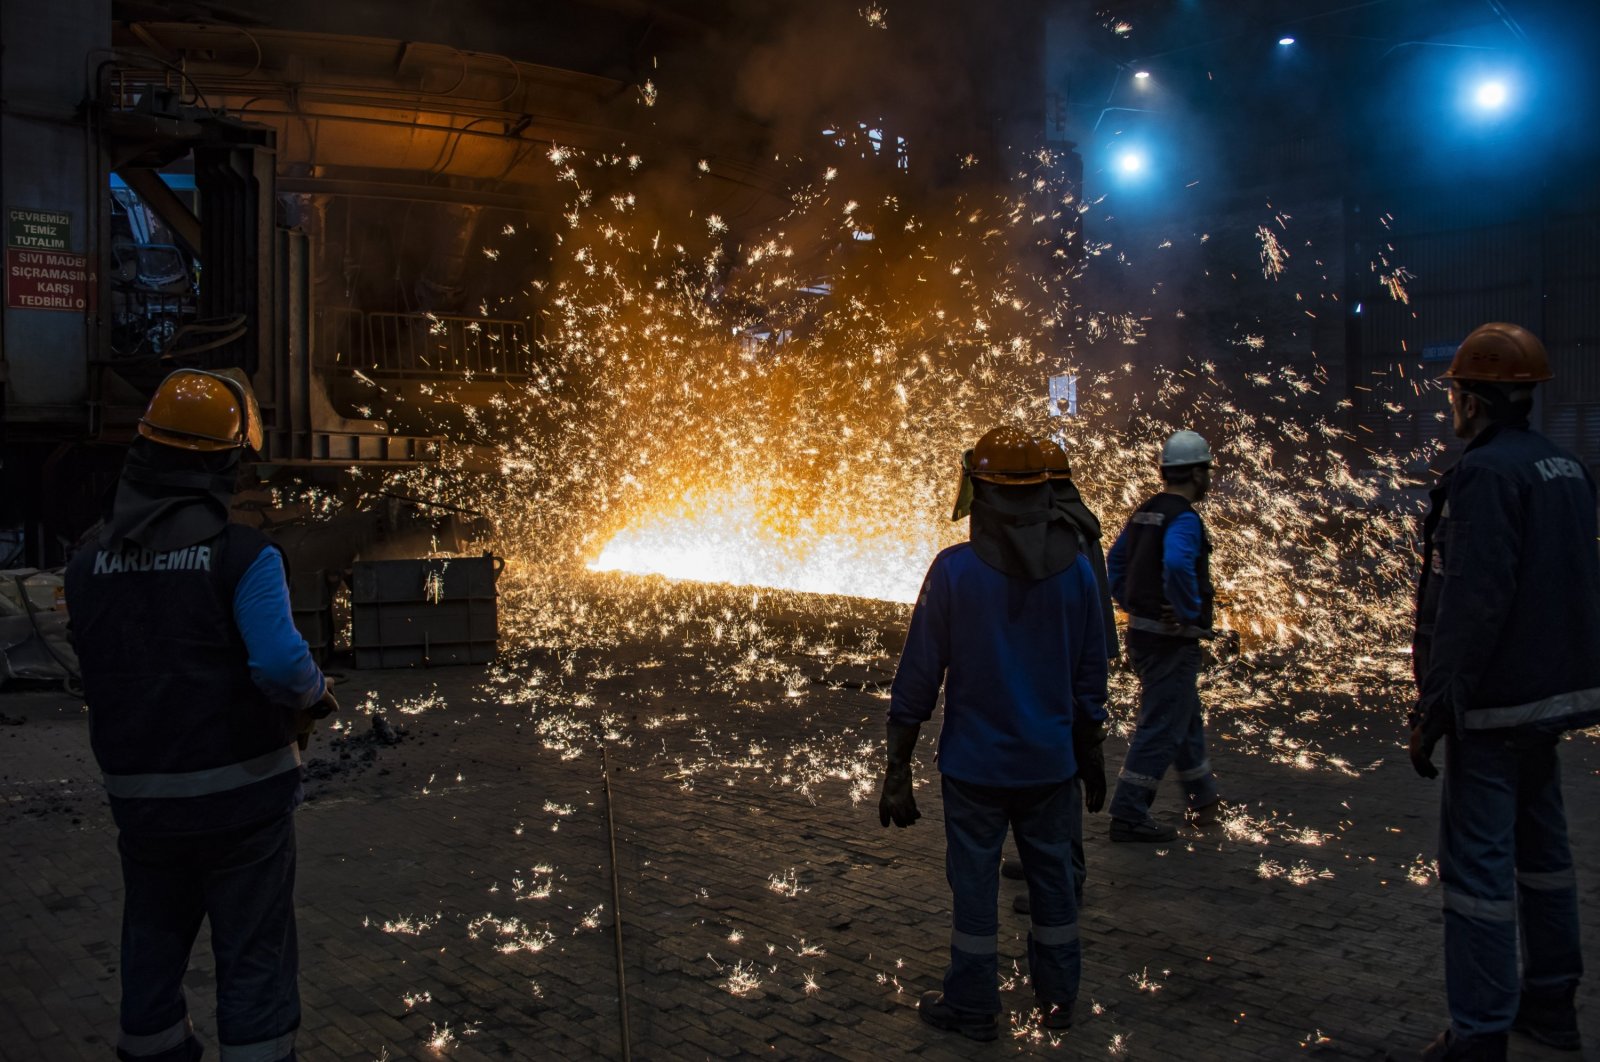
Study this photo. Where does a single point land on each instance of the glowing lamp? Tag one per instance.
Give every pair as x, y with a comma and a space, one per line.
1491, 95
1284, 42
1130, 162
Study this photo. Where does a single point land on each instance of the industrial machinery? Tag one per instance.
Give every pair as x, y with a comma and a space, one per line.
305, 207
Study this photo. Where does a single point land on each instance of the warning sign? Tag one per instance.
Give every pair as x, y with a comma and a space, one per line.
38, 230
45, 280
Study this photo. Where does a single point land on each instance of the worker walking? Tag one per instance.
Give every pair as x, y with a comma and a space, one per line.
1086, 527
1009, 624
1160, 573
1507, 658
200, 694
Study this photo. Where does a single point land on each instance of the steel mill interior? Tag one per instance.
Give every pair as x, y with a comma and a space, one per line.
596, 381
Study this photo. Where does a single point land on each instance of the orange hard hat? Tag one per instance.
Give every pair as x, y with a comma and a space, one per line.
1008, 456
1055, 458
1500, 353
198, 410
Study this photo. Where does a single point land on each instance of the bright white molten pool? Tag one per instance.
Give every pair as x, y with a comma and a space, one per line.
732, 540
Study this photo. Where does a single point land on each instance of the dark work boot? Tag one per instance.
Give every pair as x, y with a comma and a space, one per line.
1011, 869
1149, 831
941, 1015
1054, 1015
1490, 1047
1021, 904
1552, 1020
1207, 816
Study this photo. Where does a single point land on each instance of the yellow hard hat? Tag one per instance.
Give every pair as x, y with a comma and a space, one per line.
194, 409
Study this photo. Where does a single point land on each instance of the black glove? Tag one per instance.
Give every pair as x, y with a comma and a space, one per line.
306, 718
1086, 746
1427, 727
897, 803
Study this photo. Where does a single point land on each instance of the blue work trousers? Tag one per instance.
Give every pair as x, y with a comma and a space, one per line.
1080, 865
1171, 731
1505, 863
243, 881
975, 821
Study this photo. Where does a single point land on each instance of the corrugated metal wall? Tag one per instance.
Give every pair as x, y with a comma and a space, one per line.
1543, 275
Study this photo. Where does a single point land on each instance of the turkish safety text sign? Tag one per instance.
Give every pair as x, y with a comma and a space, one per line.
46, 280
38, 230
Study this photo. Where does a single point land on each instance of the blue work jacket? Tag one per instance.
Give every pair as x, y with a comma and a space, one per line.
1508, 622
1020, 662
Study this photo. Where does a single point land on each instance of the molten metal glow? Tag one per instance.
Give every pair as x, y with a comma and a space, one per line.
723, 538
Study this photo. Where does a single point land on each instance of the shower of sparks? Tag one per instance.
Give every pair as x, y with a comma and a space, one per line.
441, 1039
743, 979
1143, 982
539, 888
787, 884
510, 935
789, 417
1299, 873
876, 16
410, 925
1395, 283
1422, 871
411, 999
1273, 255
743, 452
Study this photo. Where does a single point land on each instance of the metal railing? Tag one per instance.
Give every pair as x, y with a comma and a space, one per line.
436, 345
424, 346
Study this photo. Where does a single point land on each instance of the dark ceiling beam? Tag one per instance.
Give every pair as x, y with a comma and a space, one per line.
155, 194
419, 193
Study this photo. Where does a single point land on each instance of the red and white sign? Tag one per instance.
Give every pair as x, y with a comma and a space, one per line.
48, 280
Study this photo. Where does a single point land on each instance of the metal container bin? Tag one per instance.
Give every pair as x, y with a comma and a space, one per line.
409, 613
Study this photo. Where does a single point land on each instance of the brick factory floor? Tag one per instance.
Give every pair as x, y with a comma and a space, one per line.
454, 889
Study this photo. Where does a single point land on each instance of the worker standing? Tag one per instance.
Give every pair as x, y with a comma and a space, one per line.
200, 693
1160, 573
1009, 625
1086, 527
1507, 658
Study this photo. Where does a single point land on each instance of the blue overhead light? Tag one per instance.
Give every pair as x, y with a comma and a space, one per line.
1131, 163
1284, 42
1491, 95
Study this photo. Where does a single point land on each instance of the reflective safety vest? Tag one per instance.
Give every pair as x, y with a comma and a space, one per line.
185, 739
1146, 573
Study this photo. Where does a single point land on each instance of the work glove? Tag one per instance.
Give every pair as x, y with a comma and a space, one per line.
896, 803
306, 718
1087, 739
1427, 727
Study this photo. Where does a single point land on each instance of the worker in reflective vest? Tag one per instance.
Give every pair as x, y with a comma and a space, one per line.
1009, 626
200, 691
1507, 658
1160, 573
